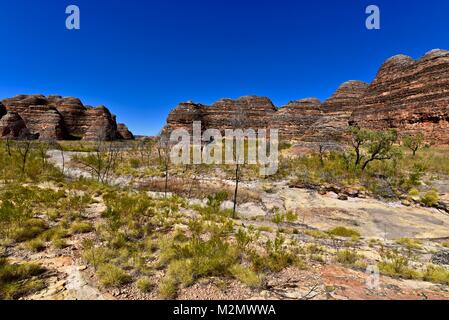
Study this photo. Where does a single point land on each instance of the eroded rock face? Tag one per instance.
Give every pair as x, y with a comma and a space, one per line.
12, 126
331, 127
410, 95
184, 115
250, 111
295, 118
245, 112
2, 110
63, 118
102, 124
124, 132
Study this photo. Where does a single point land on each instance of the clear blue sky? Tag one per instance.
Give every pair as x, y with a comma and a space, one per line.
142, 57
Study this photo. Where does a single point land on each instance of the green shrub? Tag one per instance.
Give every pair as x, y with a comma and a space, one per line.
54, 233
316, 234
290, 216
16, 280
344, 232
409, 243
81, 227
431, 198
29, 230
347, 257
144, 284
245, 275
59, 243
217, 199
396, 264
96, 256
277, 256
436, 274
35, 245
112, 276
278, 218
265, 229
181, 272
167, 289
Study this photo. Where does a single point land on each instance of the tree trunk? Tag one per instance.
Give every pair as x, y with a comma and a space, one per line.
237, 173
357, 159
166, 179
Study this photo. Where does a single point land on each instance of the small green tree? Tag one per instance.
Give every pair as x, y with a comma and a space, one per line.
380, 146
358, 138
371, 145
413, 142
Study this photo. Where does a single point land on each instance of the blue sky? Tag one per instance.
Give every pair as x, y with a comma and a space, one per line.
141, 58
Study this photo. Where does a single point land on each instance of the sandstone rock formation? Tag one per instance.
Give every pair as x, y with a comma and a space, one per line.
124, 132
13, 126
336, 112
410, 95
294, 119
58, 118
2, 110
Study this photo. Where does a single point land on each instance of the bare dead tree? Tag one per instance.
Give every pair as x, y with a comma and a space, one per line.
237, 123
24, 147
193, 180
322, 150
163, 150
8, 146
103, 160
145, 149
61, 150
42, 147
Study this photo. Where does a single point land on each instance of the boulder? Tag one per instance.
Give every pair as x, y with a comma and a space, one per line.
12, 126
441, 257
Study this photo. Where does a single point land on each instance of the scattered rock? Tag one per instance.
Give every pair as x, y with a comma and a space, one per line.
351, 192
406, 203
441, 257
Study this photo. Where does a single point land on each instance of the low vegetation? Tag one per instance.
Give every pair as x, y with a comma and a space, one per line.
17, 280
164, 243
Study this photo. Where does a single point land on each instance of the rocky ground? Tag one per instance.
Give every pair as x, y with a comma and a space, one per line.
69, 277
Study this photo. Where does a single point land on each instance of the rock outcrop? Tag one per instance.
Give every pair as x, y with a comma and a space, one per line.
336, 112
2, 110
59, 118
123, 132
295, 118
410, 95
12, 126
